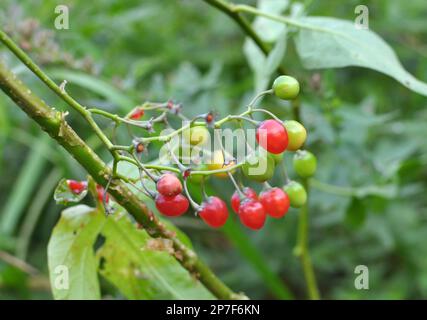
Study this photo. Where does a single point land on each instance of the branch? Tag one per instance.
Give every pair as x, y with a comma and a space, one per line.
53, 122
229, 9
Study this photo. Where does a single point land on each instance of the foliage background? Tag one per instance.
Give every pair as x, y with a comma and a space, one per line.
367, 130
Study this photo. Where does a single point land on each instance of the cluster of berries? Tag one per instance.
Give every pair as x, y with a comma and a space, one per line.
273, 136
77, 187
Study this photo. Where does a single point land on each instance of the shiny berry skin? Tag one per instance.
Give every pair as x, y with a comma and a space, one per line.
252, 214
76, 187
172, 206
100, 191
214, 212
272, 136
137, 114
286, 87
259, 167
275, 201
305, 163
296, 193
235, 199
296, 134
169, 185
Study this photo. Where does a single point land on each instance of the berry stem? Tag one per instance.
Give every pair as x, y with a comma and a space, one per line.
259, 96
267, 112
193, 203
236, 185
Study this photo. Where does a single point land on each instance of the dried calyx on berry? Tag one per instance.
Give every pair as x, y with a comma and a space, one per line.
137, 113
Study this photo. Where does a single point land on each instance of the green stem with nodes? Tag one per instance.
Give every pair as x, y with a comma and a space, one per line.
54, 124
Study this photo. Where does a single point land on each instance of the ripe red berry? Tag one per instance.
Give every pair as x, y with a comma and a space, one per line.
252, 214
214, 212
275, 202
76, 187
137, 114
272, 136
169, 185
172, 206
235, 199
100, 191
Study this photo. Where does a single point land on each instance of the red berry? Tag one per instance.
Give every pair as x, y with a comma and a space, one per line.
172, 206
100, 190
252, 214
76, 187
275, 202
137, 114
235, 199
272, 136
169, 185
214, 212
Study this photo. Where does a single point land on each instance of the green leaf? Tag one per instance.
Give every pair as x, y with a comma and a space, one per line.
71, 258
270, 31
25, 183
142, 267
63, 194
324, 42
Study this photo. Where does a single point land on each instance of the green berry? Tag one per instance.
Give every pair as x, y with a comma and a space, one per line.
296, 134
259, 167
277, 157
296, 193
286, 87
305, 163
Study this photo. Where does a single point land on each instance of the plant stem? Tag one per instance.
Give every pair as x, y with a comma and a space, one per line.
21, 55
301, 250
230, 10
53, 122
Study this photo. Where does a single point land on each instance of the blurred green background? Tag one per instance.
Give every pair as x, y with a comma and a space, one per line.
367, 130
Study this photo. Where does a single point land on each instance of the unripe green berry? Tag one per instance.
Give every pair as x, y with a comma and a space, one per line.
296, 193
305, 163
276, 157
286, 87
296, 134
259, 167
